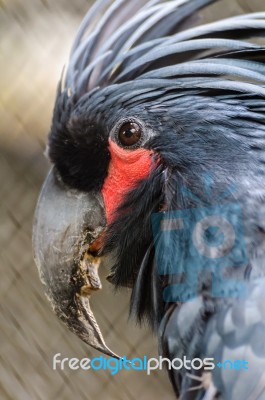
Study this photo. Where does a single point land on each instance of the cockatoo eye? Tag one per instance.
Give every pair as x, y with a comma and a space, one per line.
130, 134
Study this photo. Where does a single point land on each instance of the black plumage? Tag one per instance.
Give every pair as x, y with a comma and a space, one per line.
199, 93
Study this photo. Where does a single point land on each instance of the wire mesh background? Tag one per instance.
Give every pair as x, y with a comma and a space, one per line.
35, 38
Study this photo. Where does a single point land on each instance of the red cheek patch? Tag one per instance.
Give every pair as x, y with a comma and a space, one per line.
126, 168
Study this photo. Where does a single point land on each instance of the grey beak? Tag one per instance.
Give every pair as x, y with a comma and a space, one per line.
66, 223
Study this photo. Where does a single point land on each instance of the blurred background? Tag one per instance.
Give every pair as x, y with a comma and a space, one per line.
35, 38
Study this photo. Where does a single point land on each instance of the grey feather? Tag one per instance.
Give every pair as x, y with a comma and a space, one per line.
130, 40
198, 45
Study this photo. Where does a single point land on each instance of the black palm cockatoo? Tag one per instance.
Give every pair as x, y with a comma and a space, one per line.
157, 144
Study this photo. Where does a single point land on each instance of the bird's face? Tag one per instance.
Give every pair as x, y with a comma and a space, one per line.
128, 134
106, 178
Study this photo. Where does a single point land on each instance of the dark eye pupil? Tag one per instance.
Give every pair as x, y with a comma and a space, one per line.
130, 134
